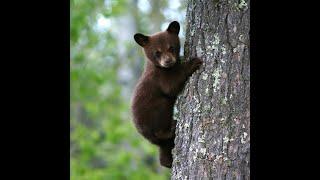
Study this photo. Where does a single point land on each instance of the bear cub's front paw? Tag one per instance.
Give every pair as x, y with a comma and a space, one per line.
195, 63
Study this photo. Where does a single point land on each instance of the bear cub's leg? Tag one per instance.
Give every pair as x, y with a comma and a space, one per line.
166, 145
165, 153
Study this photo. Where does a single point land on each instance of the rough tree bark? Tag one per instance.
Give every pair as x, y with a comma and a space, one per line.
213, 112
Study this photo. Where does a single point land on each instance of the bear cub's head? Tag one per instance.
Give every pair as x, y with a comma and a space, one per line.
162, 48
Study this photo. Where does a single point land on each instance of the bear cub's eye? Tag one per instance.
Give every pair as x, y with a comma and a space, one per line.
157, 54
171, 49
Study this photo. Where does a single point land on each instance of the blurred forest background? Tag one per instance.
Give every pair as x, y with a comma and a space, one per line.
105, 65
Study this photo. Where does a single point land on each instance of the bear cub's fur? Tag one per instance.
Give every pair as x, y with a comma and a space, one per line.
163, 79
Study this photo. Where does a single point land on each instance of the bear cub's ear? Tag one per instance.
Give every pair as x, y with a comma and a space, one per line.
174, 27
141, 39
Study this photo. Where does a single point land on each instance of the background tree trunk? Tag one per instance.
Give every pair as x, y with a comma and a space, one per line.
213, 112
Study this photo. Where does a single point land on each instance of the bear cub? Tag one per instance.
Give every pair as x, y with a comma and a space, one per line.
155, 94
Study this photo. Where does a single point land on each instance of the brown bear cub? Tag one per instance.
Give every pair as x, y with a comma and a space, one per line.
163, 79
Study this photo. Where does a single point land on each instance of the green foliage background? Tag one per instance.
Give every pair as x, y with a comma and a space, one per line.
104, 143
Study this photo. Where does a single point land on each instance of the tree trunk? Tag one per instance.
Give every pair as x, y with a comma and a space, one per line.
213, 112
